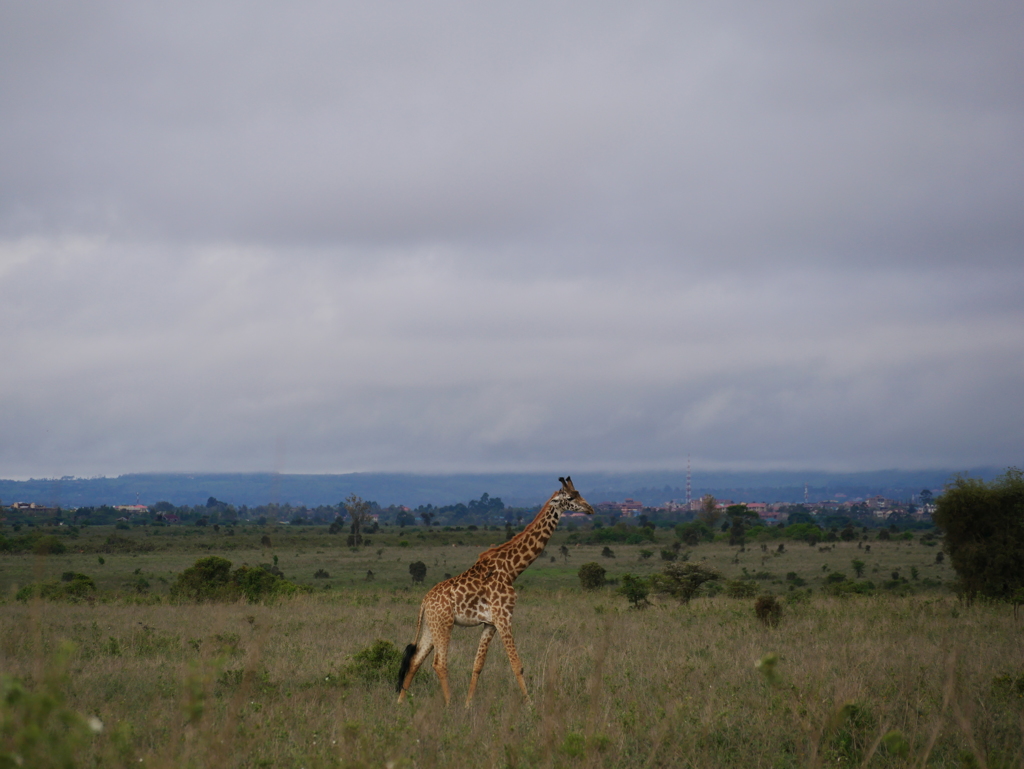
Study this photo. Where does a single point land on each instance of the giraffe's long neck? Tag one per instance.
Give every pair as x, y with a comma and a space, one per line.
522, 550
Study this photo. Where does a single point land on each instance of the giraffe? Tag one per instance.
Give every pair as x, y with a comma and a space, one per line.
483, 595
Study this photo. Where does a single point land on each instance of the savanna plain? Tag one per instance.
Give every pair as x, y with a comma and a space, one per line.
126, 676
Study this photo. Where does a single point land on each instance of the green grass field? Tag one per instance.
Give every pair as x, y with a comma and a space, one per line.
673, 685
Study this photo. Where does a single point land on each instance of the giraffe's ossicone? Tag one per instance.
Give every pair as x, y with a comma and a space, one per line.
483, 595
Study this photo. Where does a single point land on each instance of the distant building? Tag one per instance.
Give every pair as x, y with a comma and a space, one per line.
132, 509
627, 509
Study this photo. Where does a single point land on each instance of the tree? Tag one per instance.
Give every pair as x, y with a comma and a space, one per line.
983, 527
740, 517
418, 570
683, 580
858, 567
693, 532
709, 512
359, 511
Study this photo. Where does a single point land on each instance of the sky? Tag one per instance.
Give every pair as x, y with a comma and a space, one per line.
332, 237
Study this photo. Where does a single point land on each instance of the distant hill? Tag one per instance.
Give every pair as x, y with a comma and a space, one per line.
516, 489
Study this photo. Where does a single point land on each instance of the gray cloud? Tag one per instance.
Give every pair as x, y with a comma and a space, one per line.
457, 238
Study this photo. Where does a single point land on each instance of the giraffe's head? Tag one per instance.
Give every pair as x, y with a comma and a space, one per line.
568, 500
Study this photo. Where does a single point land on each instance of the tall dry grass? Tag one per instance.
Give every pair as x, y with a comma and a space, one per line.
261, 686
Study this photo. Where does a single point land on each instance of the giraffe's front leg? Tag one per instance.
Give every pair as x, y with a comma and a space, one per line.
481, 656
504, 627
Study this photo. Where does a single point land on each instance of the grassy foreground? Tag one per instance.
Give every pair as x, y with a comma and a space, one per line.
884, 680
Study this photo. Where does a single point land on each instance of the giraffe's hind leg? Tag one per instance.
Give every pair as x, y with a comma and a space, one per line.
441, 640
423, 649
481, 656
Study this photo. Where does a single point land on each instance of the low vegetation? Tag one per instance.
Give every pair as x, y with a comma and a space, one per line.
123, 662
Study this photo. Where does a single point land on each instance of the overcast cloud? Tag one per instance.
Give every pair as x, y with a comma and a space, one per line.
331, 237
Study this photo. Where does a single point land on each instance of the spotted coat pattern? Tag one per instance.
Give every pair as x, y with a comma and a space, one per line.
483, 595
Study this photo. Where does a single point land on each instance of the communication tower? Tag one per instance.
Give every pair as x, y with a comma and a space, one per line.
687, 481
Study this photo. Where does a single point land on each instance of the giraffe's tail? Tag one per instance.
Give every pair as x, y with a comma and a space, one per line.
410, 652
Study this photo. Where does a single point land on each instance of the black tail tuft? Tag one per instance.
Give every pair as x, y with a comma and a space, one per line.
410, 651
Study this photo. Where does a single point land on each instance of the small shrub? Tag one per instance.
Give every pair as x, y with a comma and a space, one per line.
72, 587
636, 590
645, 554
321, 574
418, 570
591, 575
607, 552
740, 588
836, 576
669, 555
768, 609
376, 663
39, 729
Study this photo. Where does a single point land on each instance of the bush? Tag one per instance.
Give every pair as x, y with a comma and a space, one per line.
636, 590
607, 552
768, 609
49, 545
797, 580
983, 528
321, 574
208, 579
211, 579
418, 570
694, 533
376, 663
39, 728
591, 575
71, 587
740, 588
807, 532
683, 580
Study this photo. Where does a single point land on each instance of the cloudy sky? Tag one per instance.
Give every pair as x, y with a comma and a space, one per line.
456, 237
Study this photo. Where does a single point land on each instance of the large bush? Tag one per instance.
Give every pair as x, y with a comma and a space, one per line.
983, 527
211, 579
591, 575
418, 571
